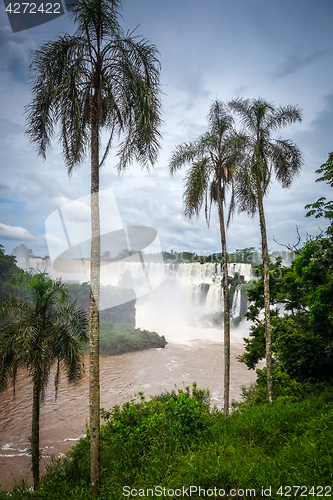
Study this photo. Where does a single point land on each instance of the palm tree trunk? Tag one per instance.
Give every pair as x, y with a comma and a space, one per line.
226, 315
266, 298
35, 436
94, 389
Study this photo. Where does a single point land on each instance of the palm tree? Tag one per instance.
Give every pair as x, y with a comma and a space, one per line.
265, 156
212, 159
98, 78
35, 335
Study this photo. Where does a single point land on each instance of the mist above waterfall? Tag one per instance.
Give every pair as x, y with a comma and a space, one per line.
191, 292
177, 300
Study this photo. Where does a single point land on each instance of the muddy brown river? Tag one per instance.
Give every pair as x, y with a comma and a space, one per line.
192, 354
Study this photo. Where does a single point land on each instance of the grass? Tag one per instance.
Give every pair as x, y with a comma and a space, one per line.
174, 440
118, 339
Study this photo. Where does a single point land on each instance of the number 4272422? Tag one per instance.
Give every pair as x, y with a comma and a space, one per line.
31, 8
304, 491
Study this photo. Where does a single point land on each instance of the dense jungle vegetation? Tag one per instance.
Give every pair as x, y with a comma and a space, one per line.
174, 441
177, 443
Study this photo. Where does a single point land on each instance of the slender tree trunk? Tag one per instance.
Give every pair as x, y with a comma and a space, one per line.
94, 389
226, 315
266, 298
35, 436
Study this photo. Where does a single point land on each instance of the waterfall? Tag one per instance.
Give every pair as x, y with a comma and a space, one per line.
198, 285
190, 277
242, 269
214, 301
236, 303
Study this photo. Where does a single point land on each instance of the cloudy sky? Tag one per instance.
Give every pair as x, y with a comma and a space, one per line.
280, 50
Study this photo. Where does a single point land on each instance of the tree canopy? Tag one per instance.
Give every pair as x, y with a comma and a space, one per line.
321, 207
36, 334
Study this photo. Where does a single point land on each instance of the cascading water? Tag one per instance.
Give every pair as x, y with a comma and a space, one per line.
196, 285
192, 354
190, 279
237, 302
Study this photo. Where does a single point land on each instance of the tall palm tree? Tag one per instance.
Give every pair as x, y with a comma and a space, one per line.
212, 159
98, 78
35, 335
264, 157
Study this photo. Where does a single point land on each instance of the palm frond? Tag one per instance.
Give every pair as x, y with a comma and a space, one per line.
284, 115
133, 70
231, 154
37, 334
244, 108
245, 190
287, 161
232, 204
260, 165
262, 153
11, 305
96, 17
209, 140
99, 74
220, 150
57, 74
219, 118
107, 148
57, 380
196, 183
10, 355
182, 155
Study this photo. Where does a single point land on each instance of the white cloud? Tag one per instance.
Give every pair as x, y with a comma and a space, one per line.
198, 65
15, 233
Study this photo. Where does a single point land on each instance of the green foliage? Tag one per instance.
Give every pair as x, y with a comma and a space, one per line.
245, 255
301, 350
138, 441
36, 334
177, 442
41, 330
9, 272
285, 387
302, 339
7, 264
202, 396
124, 313
117, 339
80, 293
255, 347
323, 208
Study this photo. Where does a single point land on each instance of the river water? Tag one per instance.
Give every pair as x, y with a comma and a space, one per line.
192, 354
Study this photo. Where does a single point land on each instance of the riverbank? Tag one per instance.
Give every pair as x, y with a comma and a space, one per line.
173, 443
151, 371
118, 339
